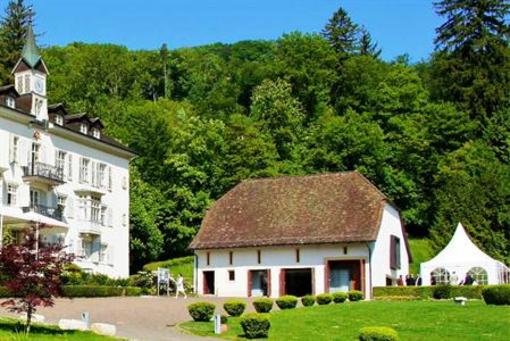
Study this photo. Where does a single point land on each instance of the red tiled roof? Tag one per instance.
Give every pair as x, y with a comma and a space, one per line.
328, 208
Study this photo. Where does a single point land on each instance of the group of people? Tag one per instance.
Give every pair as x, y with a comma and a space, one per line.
454, 280
164, 278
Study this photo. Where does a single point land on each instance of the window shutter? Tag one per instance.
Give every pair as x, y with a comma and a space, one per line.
110, 217
94, 177
70, 167
110, 179
70, 208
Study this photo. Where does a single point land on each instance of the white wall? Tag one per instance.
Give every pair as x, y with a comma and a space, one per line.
116, 235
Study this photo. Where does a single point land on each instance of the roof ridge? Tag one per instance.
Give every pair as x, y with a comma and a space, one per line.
278, 177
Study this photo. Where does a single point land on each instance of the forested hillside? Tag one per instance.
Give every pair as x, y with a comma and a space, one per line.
434, 136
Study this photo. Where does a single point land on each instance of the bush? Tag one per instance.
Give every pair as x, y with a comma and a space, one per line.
286, 302
224, 319
201, 311
497, 294
255, 325
263, 305
355, 295
234, 308
99, 291
324, 299
442, 292
308, 300
418, 292
339, 297
378, 334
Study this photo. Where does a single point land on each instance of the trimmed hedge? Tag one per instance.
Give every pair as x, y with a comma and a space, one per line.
418, 292
355, 295
99, 291
201, 311
497, 294
234, 307
308, 300
378, 334
255, 325
324, 299
442, 292
339, 297
286, 302
263, 305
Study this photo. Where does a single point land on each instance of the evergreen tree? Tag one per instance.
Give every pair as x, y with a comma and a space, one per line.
367, 47
341, 32
472, 67
163, 52
13, 26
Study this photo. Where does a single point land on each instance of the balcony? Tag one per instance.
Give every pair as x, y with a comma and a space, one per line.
51, 212
43, 173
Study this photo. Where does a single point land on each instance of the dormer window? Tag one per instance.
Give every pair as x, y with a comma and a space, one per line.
59, 120
96, 133
10, 102
83, 128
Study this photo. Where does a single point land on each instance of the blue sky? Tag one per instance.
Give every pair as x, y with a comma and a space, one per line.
400, 26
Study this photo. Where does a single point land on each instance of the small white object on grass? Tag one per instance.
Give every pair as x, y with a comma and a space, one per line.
70, 324
460, 300
36, 318
104, 329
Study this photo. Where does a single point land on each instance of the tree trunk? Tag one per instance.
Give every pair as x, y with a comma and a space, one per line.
29, 319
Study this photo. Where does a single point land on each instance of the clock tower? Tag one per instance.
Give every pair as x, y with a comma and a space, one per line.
30, 75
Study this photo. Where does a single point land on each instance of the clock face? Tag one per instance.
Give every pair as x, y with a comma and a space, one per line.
39, 85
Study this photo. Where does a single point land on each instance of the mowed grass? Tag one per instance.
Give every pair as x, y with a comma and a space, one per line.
422, 251
413, 320
12, 330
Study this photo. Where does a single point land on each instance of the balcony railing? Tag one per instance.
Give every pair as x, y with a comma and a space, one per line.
51, 212
45, 171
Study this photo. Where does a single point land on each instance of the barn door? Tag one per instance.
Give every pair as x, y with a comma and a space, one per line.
282, 282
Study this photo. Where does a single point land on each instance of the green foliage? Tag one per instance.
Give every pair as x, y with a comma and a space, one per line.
339, 297
308, 300
355, 295
497, 295
419, 292
341, 32
422, 251
201, 311
234, 307
255, 325
324, 299
378, 334
263, 305
286, 302
99, 291
442, 292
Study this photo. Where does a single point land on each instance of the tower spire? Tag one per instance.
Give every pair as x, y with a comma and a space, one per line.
30, 51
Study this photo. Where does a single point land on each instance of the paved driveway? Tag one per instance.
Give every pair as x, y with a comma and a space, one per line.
136, 318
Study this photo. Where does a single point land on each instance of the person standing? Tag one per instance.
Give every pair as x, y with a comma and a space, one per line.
179, 286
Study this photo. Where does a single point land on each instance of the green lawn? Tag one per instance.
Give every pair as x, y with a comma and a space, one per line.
12, 330
421, 251
183, 265
413, 320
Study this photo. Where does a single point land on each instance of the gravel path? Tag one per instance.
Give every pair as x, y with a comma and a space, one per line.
136, 318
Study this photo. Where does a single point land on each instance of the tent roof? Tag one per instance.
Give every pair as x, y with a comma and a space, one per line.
460, 250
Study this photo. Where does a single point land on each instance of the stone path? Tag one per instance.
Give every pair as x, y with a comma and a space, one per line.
136, 318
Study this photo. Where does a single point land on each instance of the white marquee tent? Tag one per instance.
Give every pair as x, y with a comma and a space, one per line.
460, 257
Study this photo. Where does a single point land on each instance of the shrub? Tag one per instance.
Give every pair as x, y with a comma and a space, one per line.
355, 295
378, 334
339, 297
286, 302
441, 292
497, 294
255, 325
418, 292
308, 300
324, 299
99, 291
263, 305
224, 319
201, 311
234, 308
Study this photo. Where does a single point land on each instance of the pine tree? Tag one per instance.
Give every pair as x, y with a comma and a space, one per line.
367, 47
472, 67
341, 32
163, 52
13, 27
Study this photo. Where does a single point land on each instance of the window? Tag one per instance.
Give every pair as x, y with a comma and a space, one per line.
59, 120
394, 252
19, 84
231, 275
259, 257
82, 207
440, 276
35, 153
95, 210
34, 197
208, 256
70, 167
27, 83
12, 191
96, 133
101, 174
231, 258
61, 200
345, 250
84, 170
10, 102
298, 255
83, 128
479, 275
13, 151
60, 160
104, 209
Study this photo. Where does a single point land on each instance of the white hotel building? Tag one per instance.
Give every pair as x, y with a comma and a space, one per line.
60, 173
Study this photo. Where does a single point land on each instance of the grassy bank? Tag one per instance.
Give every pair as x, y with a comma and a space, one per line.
415, 320
422, 251
183, 265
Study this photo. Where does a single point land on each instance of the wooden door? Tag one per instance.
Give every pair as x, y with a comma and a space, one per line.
282, 282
